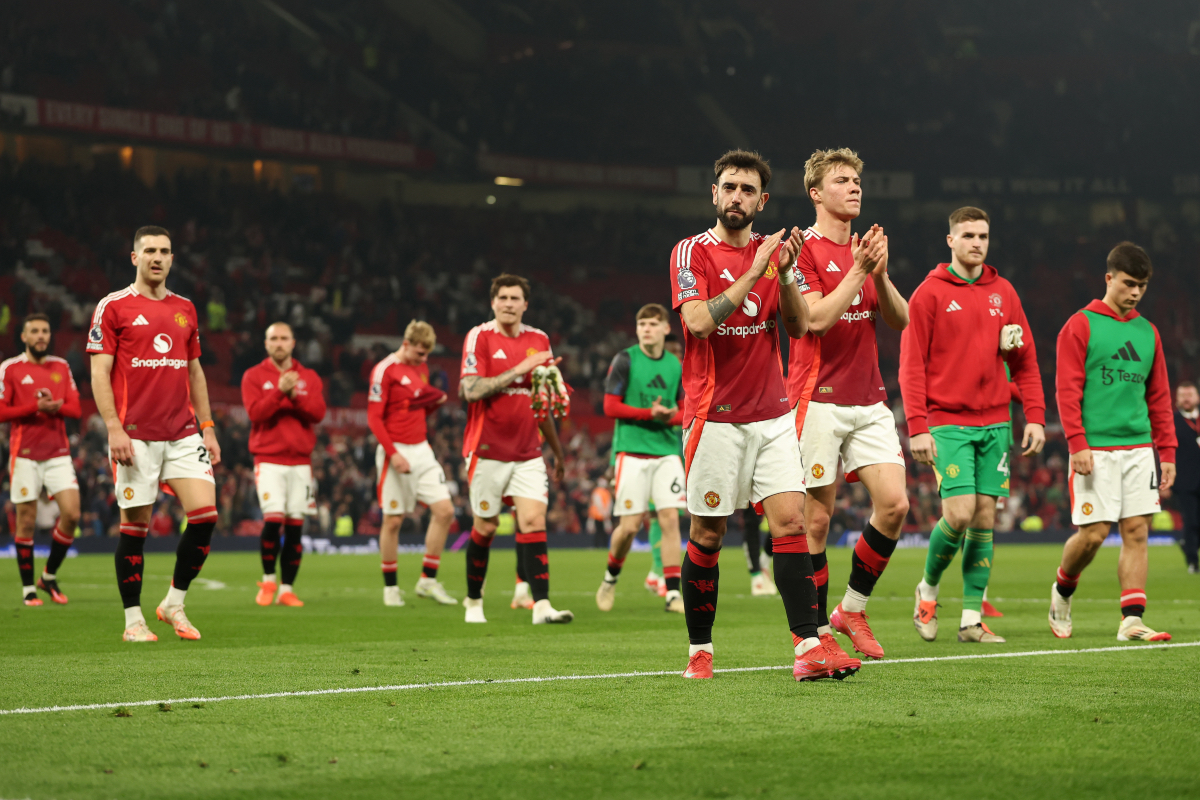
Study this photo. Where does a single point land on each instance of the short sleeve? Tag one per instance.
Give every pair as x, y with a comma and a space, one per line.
688, 278
810, 279
475, 360
378, 377
617, 380
194, 340
102, 336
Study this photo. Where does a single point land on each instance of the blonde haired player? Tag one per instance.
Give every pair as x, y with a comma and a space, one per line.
838, 401
399, 400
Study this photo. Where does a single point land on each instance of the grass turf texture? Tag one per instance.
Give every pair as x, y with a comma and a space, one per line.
1041, 726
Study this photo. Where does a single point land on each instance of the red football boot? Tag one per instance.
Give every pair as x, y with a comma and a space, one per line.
699, 665
855, 626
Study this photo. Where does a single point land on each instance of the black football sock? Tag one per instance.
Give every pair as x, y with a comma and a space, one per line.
700, 577
769, 545
389, 573
672, 577
429, 566
820, 563
293, 551
479, 548
522, 574
58, 550
130, 562
25, 560
532, 552
614, 568
797, 584
870, 558
269, 545
193, 546
751, 544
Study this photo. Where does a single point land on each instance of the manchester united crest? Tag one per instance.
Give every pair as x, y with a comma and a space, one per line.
712, 499
818, 471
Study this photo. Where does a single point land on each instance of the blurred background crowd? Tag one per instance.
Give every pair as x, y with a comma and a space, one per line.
348, 255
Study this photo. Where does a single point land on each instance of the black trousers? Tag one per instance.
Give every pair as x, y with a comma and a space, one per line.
1189, 509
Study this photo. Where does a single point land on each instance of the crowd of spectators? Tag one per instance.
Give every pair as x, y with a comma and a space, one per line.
347, 276
1034, 88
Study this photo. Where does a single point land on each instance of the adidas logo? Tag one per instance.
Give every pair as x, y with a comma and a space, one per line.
658, 382
1126, 353
140, 320
954, 306
833, 267
404, 381
28, 379
499, 354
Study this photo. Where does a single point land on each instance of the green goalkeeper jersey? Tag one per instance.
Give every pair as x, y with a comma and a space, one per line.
638, 379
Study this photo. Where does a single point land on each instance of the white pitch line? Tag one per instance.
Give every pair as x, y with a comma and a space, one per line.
555, 678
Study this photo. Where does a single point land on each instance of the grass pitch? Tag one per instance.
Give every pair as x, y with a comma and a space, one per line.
1037, 726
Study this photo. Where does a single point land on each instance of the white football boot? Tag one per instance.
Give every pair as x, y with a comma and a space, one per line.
391, 596
474, 610
1060, 613
432, 588
543, 612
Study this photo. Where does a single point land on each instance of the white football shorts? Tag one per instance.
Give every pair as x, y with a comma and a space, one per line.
491, 481
861, 435
642, 480
1123, 484
425, 482
29, 477
285, 491
155, 463
733, 464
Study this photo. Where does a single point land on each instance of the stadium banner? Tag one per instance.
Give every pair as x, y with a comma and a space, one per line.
36, 112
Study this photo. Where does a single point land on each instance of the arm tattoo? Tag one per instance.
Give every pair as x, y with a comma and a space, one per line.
720, 307
476, 388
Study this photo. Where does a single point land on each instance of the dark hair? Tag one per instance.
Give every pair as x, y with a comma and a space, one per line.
35, 317
506, 279
1186, 385
969, 214
1127, 257
655, 310
744, 159
148, 230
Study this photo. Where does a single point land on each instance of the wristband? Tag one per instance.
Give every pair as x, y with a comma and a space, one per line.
208, 423
787, 277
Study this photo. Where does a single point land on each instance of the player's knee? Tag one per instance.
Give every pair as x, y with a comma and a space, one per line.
958, 517
68, 520
793, 525
532, 523
443, 515
1135, 535
893, 510
1094, 536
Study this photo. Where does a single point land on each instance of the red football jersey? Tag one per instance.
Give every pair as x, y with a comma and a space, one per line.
399, 399
151, 342
32, 434
842, 366
281, 427
501, 427
735, 375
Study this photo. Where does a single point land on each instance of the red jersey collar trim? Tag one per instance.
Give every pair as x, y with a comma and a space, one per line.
1101, 307
755, 236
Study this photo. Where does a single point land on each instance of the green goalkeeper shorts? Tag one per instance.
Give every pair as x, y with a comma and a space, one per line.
972, 460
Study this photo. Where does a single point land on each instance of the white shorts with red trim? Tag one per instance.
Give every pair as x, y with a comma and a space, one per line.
425, 481
285, 491
29, 477
860, 435
155, 463
492, 481
644, 480
1123, 484
733, 464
